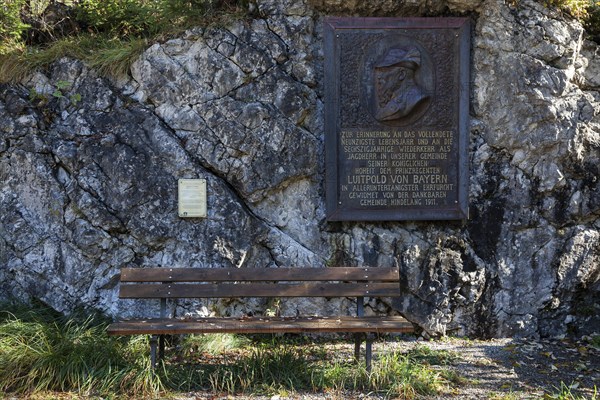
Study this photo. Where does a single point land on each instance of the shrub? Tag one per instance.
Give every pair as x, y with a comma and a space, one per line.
11, 25
592, 21
119, 18
577, 8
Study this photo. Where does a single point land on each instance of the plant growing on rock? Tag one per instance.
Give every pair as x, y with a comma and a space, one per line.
107, 35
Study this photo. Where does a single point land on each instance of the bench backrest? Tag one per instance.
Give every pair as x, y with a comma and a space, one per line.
259, 282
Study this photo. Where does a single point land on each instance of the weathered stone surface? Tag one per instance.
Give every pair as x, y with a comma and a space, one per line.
534, 116
87, 186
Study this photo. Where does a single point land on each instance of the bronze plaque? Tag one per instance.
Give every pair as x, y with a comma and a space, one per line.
396, 118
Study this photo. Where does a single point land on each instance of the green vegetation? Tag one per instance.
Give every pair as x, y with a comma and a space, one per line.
280, 367
595, 341
106, 34
46, 355
42, 351
592, 21
11, 27
424, 354
567, 392
505, 396
577, 8
586, 11
192, 345
109, 35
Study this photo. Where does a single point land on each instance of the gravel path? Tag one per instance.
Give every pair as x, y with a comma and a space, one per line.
499, 369
523, 369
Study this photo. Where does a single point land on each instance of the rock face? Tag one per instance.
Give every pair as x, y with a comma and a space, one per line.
89, 169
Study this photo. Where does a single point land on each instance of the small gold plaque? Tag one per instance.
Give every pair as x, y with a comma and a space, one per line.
192, 198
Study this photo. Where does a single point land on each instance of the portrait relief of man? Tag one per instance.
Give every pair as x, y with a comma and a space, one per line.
397, 93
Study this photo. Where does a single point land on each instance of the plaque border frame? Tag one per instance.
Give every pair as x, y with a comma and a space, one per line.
332, 124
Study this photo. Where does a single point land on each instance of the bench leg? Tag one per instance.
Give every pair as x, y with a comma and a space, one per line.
369, 352
360, 312
161, 347
153, 345
358, 337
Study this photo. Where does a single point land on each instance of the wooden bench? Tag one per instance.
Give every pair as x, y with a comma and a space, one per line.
175, 283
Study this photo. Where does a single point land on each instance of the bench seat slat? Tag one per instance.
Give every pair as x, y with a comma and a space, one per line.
376, 324
258, 274
232, 290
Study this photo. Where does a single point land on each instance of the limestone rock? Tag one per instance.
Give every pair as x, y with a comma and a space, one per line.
88, 186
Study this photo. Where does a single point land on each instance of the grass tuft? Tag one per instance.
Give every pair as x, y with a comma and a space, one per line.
42, 351
111, 34
214, 344
394, 374
433, 357
569, 392
110, 57
114, 57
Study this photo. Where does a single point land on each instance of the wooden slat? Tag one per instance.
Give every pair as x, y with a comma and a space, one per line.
261, 325
258, 274
230, 290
